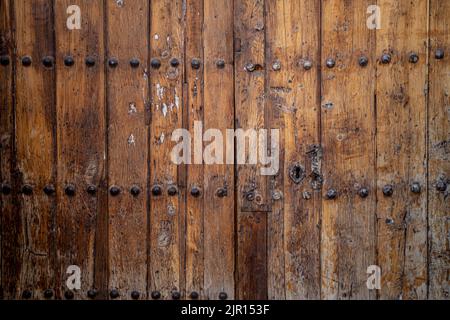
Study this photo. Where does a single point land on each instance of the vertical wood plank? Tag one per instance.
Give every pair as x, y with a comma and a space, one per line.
167, 42
439, 151
401, 150
218, 114
128, 39
195, 175
81, 217
252, 197
348, 111
35, 142
8, 234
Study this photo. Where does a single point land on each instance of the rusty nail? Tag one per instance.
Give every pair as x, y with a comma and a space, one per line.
156, 295
276, 66
26, 61
172, 191
113, 62
223, 296
388, 190
174, 62
222, 192
413, 57
27, 294
307, 64
70, 190
156, 190
332, 194
92, 294
220, 63
363, 61
48, 294
27, 190
250, 67
195, 63
6, 189
48, 62
441, 186
439, 54
194, 295
135, 191
196, 192
49, 190
363, 192
90, 61
135, 295
176, 295
415, 187
155, 63
92, 190
4, 61
134, 63
114, 191
69, 295
386, 58
276, 195
330, 63
69, 61
114, 294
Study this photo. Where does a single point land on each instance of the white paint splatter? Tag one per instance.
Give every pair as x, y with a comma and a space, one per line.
132, 108
120, 3
177, 99
161, 139
131, 140
156, 37
159, 92
164, 110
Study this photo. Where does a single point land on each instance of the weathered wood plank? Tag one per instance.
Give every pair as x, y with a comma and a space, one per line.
439, 151
128, 39
218, 179
33, 244
167, 43
194, 109
401, 150
80, 94
348, 117
252, 199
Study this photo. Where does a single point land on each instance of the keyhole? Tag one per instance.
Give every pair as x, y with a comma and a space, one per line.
297, 173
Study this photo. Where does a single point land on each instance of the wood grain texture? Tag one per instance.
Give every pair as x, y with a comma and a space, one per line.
401, 150
167, 42
81, 127
439, 152
219, 261
348, 117
128, 145
33, 267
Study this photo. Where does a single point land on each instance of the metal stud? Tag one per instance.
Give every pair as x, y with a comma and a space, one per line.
90, 62
415, 187
330, 63
386, 58
48, 294
69, 61
134, 63
135, 295
26, 61
331, 194
363, 61
196, 192
49, 190
113, 62
196, 63
276, 66
6, 189
222, 192
194, 295
389, 221
388, 190
441, 186
363, 192
250, 67
439, 54
114, 191
27, 294
4, 61
223, 296
135, 191
69, 295
92, 294
91, 189
176, 295
174, 62
156, 295
220, 63
413, 57
172, 191
307, 64
114, 294
156, 190
155, 63
70, 190
250, 196
27, 190
48, 62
